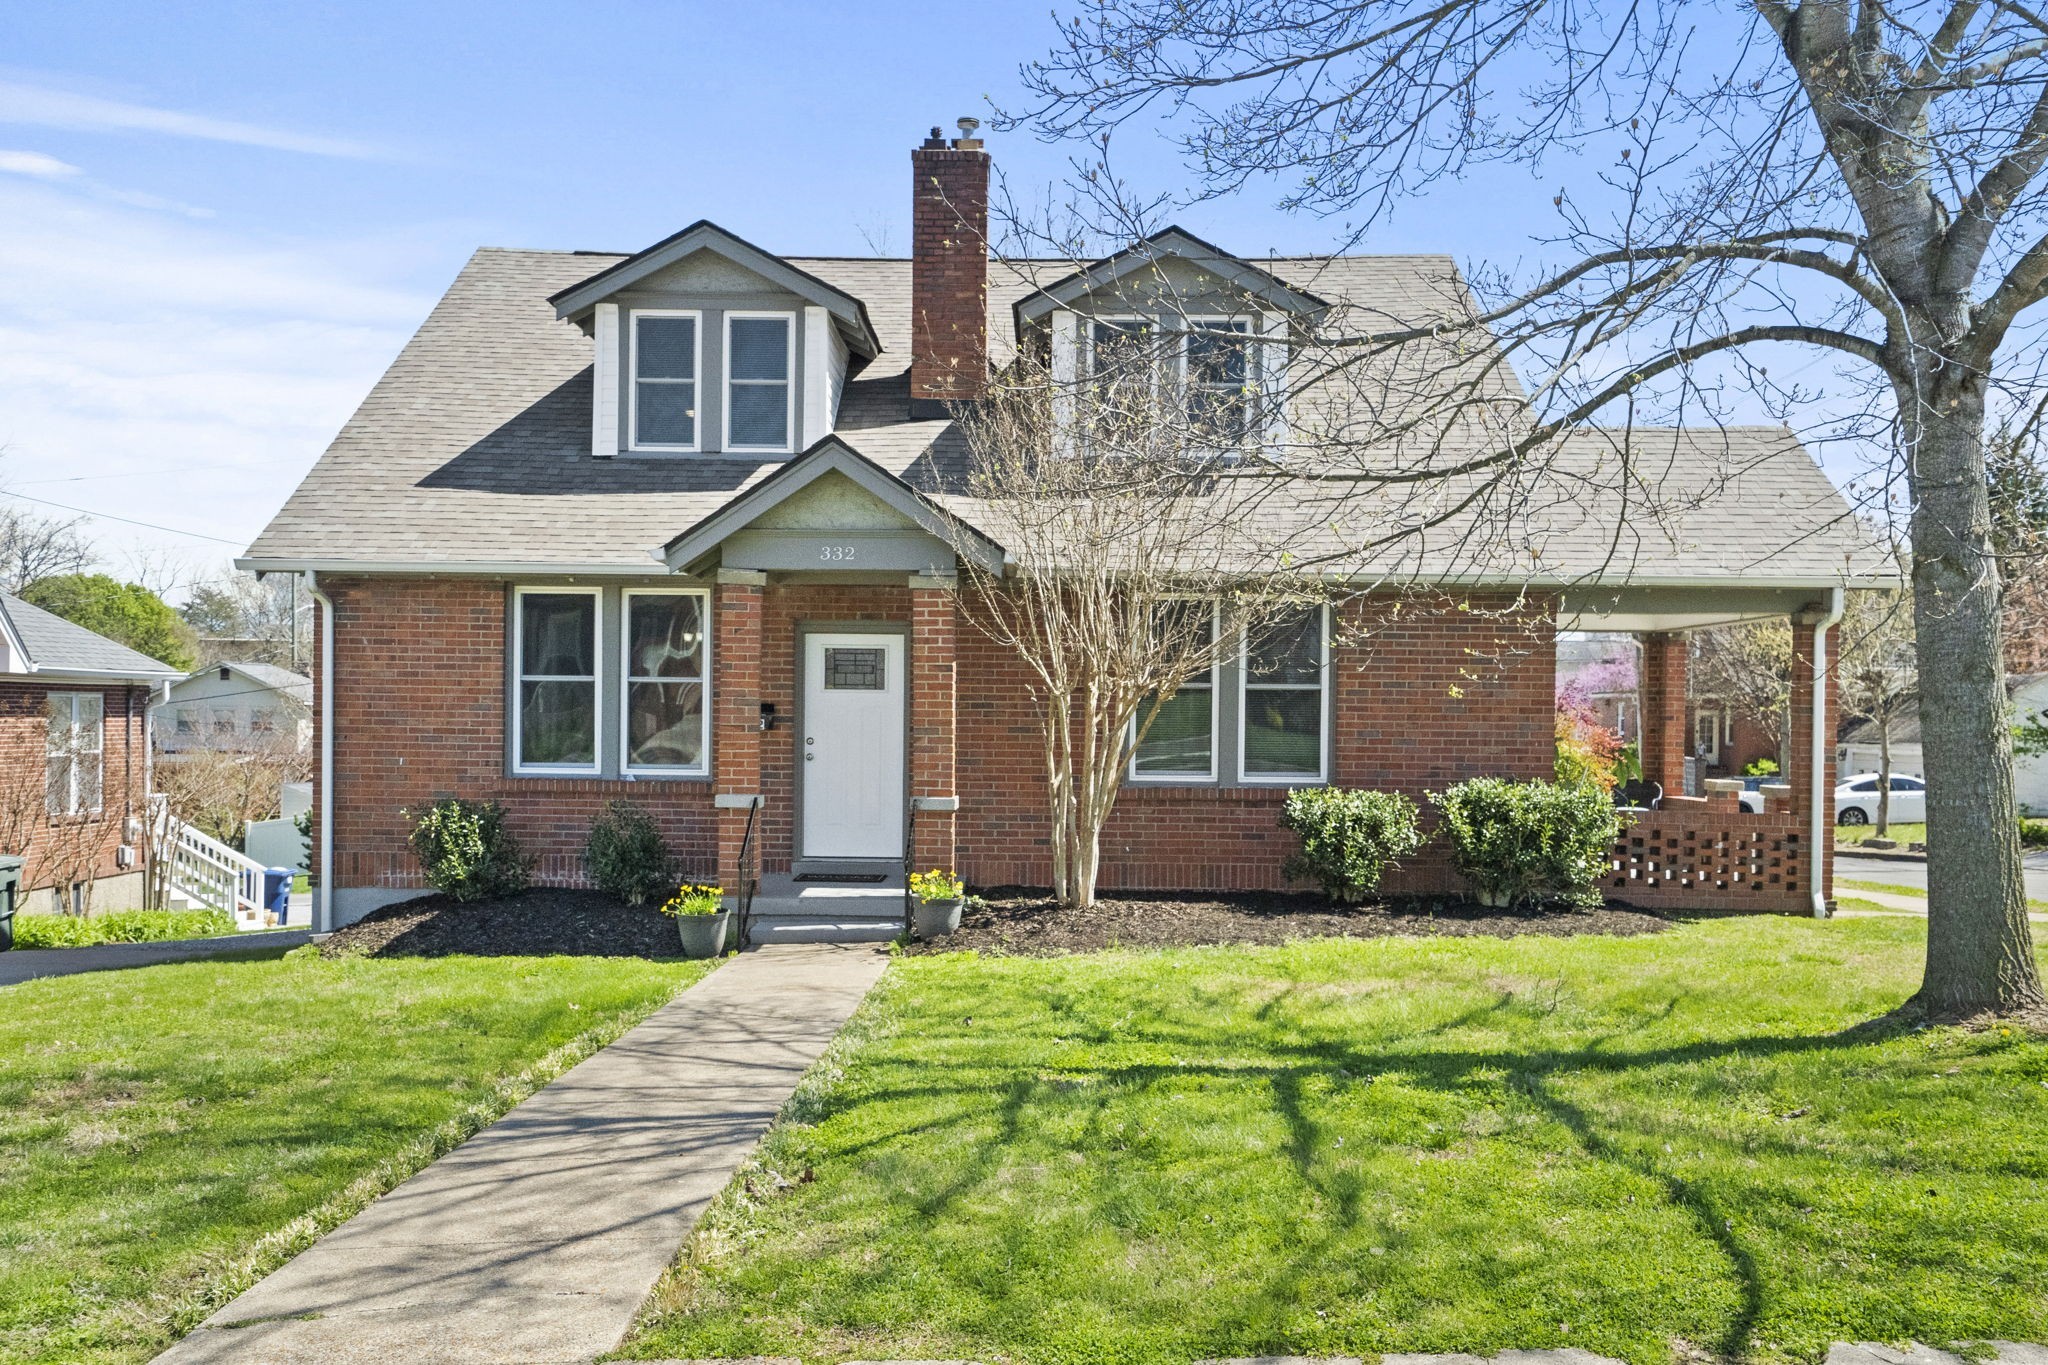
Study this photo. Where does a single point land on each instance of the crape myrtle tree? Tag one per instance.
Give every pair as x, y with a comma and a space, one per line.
1862, 179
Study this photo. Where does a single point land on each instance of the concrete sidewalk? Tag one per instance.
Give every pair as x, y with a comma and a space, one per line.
538, 1239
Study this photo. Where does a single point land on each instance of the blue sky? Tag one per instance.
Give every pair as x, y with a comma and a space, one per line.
219, 221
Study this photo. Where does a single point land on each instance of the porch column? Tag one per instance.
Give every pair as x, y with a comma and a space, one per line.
1806, 629
1664, 740
932, 600
736, 717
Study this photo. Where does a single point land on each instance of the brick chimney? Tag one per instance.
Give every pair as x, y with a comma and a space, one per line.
949, 267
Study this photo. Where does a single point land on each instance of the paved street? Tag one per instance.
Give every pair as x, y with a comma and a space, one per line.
27, 964
1901, 873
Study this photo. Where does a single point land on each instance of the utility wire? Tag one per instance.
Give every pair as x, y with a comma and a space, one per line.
109, 516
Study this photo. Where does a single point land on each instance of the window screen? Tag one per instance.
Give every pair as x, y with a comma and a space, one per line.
1283, 696
664, 381
757, 367
557, 680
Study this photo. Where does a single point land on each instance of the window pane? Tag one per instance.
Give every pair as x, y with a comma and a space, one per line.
760, 348
1193, 623
664, 725
58, 707
668, 348
1216, 354
760, 414
57, 789
1283, 731
86, 780
558, 723
666, 415
87, 717
666, 637
855, 670
1286, 649
559, 634
1180, 739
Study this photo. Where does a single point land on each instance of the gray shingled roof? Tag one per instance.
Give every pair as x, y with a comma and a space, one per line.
473, 451
55, 645
295, 685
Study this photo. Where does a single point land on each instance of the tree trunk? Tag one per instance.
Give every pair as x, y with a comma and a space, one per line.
1884, 776
1980, 954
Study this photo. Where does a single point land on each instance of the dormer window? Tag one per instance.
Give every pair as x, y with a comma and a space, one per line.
1218, 386
665, 352
759, 359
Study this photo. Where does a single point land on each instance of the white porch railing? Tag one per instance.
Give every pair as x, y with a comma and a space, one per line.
204, 870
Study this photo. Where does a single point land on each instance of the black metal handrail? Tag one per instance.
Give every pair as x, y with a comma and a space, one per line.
909, 862
748, 881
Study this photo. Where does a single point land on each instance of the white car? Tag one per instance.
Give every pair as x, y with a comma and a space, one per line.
1856, 800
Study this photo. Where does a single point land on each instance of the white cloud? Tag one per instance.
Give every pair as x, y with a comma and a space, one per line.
204, 366
36, 165
43, 107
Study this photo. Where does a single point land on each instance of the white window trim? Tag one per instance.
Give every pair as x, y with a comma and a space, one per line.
1710, 708
633, 377
788, 383
1245, 688
516, 703
73, 807
626, 680
1184, 779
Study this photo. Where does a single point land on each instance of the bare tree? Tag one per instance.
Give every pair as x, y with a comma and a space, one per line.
1878, 679
1863, 179
1750, 666
248, 619
1132, 574
220, 789
34, 545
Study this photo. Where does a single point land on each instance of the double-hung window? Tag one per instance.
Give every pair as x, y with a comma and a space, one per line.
760, 354
555, 693
76, 739
1218, 391
1286, 685
664, 399
1123, 382
668, 660
1181, 743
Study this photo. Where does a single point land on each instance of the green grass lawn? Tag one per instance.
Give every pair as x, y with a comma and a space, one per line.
168, 1134
1390, 1145
1905, 834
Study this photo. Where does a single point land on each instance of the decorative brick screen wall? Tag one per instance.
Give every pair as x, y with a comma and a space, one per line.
1711, 855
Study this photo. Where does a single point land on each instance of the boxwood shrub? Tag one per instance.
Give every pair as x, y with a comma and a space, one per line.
1349, 838
1517, 841
626, 856
466, 852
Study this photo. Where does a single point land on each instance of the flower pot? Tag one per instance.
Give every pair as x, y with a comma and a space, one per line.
936, 919
703, 935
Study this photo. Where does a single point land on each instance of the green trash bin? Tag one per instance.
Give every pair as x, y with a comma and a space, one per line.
10, 895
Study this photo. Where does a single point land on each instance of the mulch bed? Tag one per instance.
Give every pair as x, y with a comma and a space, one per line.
1027, 923
538, 923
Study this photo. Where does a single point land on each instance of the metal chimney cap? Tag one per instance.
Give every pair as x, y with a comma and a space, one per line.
965, 125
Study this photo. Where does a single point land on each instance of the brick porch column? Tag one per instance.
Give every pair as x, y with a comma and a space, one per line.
931, 713
1665, 741
736, 714
1800, 747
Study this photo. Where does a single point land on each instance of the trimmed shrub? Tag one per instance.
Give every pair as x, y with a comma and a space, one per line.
120, 926
2033, 833
625, 855
466, 851
1518, 840
1349, 838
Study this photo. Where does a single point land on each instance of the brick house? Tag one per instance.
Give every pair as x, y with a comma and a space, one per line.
74, 760
676, 526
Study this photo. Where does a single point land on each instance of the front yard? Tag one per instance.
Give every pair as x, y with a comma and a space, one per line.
168, 1134
1646, 1147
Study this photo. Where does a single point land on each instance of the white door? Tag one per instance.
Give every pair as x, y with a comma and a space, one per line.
852, 746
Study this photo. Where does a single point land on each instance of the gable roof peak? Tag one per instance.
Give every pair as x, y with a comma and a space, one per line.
704, 235
1172, 242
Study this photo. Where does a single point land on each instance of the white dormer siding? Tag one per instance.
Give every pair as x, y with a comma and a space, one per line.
1273, 386
604, 382
1066, 376
825, 363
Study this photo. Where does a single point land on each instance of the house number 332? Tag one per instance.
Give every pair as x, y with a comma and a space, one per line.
835, 554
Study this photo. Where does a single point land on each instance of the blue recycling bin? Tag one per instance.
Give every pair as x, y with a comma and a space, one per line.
277, 892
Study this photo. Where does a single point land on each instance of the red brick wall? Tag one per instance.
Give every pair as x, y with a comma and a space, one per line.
420, 714
68, 848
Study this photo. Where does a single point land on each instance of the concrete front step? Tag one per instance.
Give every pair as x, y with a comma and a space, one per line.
786, 910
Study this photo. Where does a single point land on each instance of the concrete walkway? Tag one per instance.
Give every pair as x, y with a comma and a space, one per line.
538, 1239
27, 964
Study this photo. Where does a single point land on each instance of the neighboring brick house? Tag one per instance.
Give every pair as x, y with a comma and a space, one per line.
677, 526
74, 759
